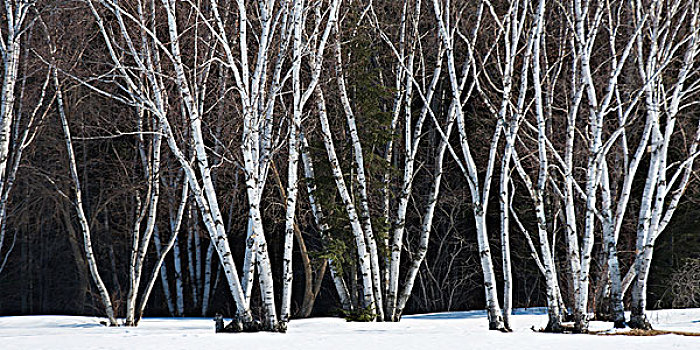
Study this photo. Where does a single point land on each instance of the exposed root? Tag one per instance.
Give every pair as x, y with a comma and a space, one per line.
562, 329
640, 323
646, 333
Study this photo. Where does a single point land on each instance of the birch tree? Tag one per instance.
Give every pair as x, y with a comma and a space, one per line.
316, 46
147, 211
673, 35
78, 203
15, 15
537, 191
258, 90
479, 190
17, 123
151, 97
363, 255
512, 32
408, 88
586, 21
159, 268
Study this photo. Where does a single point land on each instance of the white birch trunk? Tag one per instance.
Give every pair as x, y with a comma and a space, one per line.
292, 168
15, 14
23, 136
152, 171
365, 216
249, 261
547, 251
78, 202
206, 195
10, 53
515, 22
426, 225
164, 281
179, 286
610, 245
198, 261
191, 255
338, 280
363, 255
206, 290
653, 217
162, 253
479, 198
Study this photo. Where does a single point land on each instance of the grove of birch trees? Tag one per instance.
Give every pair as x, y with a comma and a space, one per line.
278, 159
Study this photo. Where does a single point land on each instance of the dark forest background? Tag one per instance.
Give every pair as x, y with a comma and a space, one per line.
46, 272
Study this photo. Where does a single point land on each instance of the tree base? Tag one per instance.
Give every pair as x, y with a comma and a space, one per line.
396, 317
640, 322
497, 326
618, 320
620, 324
496, 321
580, 323
238, 326
567, 316
554, 325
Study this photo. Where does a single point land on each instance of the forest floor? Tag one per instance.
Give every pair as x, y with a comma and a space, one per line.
451, 330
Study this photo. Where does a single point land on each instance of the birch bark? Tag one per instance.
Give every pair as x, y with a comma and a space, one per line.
479, 198
365, 216
78, 203
11, 148
663, 104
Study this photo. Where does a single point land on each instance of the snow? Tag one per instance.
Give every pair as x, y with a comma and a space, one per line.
453, 330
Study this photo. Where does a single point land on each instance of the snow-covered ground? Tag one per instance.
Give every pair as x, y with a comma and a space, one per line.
454, 330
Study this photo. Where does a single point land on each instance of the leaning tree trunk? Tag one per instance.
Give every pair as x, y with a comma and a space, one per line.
365, 216
338, 280
426, 226
363, 255
162, 253
78, 202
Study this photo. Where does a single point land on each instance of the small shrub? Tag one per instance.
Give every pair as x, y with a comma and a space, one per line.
685, 285
359, 315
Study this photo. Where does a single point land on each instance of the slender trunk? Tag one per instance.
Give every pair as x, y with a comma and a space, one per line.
428, 215
164, 280
365, 216
249, 261
363, 254
317, 210
11, 57
175, 228
179, 288
191, 255
610, 243
82, 219
151, 166
206, 291
292, 168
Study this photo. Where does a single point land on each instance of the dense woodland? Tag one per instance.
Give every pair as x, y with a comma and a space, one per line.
278, 159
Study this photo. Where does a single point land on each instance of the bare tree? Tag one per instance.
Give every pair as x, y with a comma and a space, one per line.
674, 35
479, 190
78, 203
